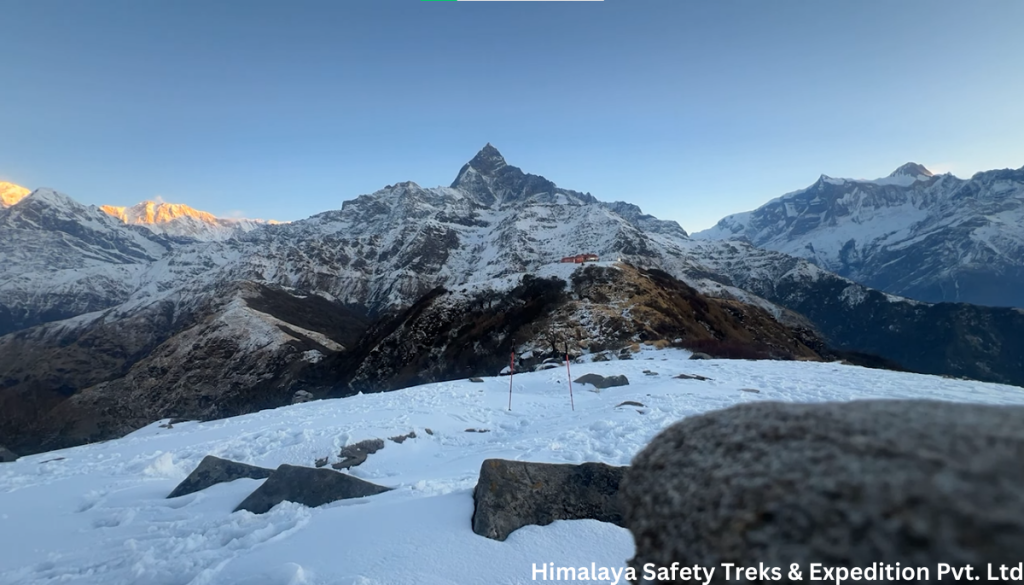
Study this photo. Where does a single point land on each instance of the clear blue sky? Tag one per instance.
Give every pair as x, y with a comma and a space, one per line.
692, 110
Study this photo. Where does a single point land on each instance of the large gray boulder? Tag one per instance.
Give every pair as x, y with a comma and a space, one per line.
599, 381
307, 486
513, 494
847, 485
6, 455
213, 470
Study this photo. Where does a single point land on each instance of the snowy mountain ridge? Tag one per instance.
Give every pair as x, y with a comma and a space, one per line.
929, 237
144, 323
177, 219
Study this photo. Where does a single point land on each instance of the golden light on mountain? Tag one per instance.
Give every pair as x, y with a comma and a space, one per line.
11, 193
156, 212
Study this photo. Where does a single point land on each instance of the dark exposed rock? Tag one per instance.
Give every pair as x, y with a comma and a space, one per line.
401, 438
691, 377
321, 462
751, 390
598, 381
478, 430
307, 486
475, 379
914, 482
6, 455
213, 470
356, 454
629, 403
513, 494
698, 355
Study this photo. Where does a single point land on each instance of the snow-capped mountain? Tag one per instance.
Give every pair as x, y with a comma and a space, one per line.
177, 326
176, 219
62, 258
924, 236
11, 194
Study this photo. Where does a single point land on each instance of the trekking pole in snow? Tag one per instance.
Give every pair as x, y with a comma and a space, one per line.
511, 372
571, 403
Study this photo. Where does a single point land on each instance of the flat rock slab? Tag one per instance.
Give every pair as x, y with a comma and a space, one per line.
513, 494
6, 455
213, 470
307, 486
843, 484
599, 381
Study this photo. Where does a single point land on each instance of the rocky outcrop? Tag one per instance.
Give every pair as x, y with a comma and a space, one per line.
513, 494
307, 486
6, 455
599, 381
213, 470
914, 482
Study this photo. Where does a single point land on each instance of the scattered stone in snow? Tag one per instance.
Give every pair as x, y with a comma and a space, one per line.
629, 403
691, 377
321, 462
213, 470
429, 432
599, 381
650, 373
513, 494
301, 396
352, 455
401, 438
478, 430
911, 481
307, 486
751, 390
698, 355
477, 380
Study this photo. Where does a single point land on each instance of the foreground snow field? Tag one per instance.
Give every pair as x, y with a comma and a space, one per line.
98, 513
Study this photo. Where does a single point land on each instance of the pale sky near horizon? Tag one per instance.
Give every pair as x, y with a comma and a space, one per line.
691, 110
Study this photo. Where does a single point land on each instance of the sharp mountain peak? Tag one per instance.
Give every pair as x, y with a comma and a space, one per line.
911, 169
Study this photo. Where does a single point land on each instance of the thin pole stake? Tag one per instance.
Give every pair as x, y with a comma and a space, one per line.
571, 402
511, 372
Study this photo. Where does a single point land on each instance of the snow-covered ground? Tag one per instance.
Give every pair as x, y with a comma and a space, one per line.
98, 513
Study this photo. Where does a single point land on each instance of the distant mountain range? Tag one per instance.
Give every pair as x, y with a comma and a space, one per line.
929, 237
106, 325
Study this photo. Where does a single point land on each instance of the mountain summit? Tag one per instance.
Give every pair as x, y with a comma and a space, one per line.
912, 169
488, 160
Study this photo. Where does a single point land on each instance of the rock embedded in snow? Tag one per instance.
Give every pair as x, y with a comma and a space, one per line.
213, 470
699, 355
513, 494
599, 381
301, 396
6, 455
914, 482
307, 486
356, 454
